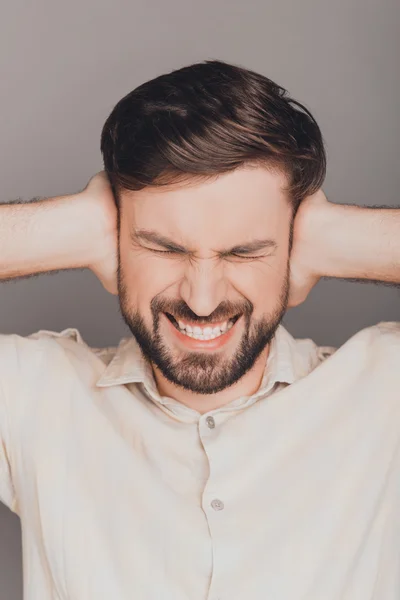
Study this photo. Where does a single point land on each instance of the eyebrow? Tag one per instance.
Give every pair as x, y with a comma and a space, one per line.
156, 238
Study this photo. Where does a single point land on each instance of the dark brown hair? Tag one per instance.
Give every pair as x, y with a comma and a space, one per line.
206, 119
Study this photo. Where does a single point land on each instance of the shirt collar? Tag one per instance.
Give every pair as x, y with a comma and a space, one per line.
287, 362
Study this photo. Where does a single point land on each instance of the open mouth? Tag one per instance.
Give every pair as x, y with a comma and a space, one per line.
212, 333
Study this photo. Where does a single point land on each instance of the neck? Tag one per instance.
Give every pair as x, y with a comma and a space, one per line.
248, 385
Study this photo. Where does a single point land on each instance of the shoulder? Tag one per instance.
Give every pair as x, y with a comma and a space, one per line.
71, 340
27, 358
42, 343
388, 332
376, 349
384, 337
371, 351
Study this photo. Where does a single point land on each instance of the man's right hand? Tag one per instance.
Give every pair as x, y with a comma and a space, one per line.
98, 191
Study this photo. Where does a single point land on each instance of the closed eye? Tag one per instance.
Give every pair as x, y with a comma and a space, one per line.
164, 251
246, 257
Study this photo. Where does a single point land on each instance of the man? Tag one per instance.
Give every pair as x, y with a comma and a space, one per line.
211, 455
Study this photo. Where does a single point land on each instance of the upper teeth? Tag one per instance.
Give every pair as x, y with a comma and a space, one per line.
204, 332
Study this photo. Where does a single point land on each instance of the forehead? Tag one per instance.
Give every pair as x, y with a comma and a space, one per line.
245, 201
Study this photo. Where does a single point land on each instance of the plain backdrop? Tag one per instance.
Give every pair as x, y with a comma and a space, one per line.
64, 65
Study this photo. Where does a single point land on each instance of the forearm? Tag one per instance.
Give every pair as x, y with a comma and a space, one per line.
360, 243
44, 236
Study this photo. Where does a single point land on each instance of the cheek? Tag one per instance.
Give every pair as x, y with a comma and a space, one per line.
259, 282
145, 277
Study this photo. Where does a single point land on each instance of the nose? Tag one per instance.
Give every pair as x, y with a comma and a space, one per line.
204, 286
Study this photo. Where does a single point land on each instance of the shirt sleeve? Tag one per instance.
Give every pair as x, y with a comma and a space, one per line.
23, 362
7, 491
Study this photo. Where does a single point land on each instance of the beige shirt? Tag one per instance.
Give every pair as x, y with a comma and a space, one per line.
290, 494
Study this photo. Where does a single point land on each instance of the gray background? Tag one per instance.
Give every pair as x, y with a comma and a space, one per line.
64, 65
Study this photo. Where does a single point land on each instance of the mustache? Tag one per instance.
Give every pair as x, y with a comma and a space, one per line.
181, 311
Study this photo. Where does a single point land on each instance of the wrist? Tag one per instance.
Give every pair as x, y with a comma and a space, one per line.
78, 231
340, 249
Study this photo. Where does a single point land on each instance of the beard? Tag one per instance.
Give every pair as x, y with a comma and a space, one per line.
203, 372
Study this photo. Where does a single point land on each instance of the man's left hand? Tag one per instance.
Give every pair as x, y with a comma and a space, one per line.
304, 274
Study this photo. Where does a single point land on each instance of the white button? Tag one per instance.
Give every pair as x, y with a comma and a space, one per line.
217, 504
210, 422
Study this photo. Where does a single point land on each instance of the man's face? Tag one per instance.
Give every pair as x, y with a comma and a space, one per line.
208, 274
